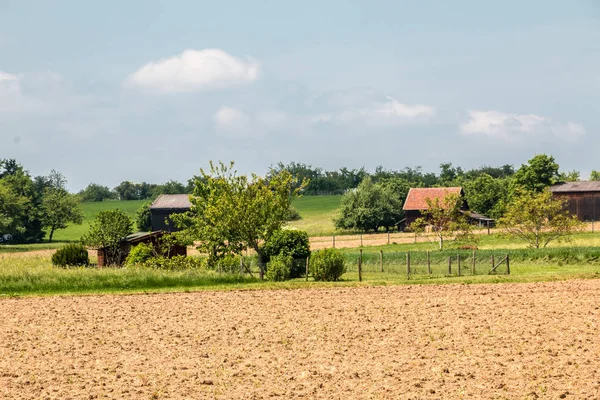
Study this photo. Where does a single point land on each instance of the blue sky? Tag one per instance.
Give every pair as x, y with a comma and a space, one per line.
153, 90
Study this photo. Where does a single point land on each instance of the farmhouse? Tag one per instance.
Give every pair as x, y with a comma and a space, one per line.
134, 239
416, 203
583, 198
164, 206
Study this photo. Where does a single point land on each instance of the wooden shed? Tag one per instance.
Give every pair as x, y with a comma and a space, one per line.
583, 198
134, 239
166, 205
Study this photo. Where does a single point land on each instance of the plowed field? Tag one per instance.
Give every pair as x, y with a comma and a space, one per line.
412, 342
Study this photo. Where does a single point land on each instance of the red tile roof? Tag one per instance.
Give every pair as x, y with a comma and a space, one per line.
417, 197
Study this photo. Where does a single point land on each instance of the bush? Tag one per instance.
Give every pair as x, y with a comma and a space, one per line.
292, 214
143, 218
327, 265
279, 268
71, 255
289, 242
140, 254
176, 263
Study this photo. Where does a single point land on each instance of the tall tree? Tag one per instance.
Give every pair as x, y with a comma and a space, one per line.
232, 212
538, 219
539, 173
59, 208
96, 192
595, 175
369, 207
486, 195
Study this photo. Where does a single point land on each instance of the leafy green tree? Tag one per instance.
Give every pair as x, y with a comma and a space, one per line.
12, 210
144, 218
19, 182
570, 176
540, 172
233, 212
486, 195
445, 219
537, 218
96, 192
59, 208
595, 175
107, 232
369, 207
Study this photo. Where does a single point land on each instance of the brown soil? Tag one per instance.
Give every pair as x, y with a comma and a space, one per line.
412, 342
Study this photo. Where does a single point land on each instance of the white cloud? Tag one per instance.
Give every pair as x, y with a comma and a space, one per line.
271, 119
390, 111
367, 106
6, 77
508, 126
195, 70
231, 119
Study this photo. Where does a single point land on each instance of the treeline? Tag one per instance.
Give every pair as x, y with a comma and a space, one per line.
127, 190
29, 206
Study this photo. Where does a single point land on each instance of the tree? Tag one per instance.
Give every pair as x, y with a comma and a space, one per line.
595, 175
59, 208
144, 218
12, 210
537, 175
445, 218
538, 219
486, 195
570, 176
369, 207
107, 232
96, 192
233, 212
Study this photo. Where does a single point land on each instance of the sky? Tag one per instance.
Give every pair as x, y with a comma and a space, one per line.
153, 90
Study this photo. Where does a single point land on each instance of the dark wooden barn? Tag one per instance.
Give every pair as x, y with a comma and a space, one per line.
583, 198
134, 239
166, 205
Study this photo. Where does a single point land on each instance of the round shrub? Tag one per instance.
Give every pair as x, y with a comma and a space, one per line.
327, 265
292, 214
140, 254
289, 242
71, 255
279, 268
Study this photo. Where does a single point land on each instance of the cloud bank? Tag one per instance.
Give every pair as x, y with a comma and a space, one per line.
510, 127
195, 70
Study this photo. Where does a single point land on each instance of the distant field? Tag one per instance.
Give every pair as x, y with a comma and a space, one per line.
90, 210
317, 215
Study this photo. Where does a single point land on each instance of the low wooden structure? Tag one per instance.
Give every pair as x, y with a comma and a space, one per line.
135, 239
583, 198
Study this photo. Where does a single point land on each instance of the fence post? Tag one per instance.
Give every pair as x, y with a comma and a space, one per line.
333, 241
381, 259
361, 240
507, 265
450, 265
493, 263
488, 227
241, 265
360, 269
474, 262
307, 258
388, 237
458, 264
408, 265
592, 226
428, 263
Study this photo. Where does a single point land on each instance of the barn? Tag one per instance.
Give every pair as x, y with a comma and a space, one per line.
416, 203
164, 206
583, 198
